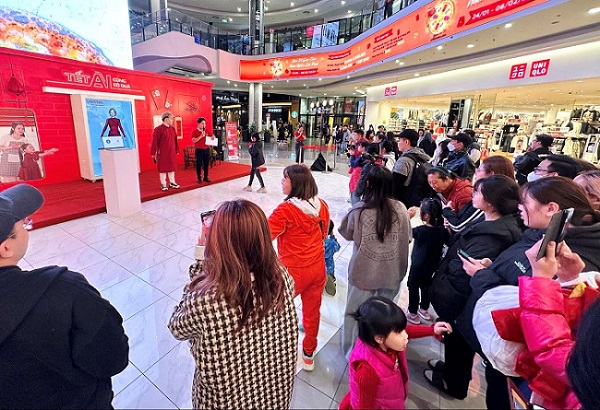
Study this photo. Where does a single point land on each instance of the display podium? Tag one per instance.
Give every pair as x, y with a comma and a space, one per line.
121, 182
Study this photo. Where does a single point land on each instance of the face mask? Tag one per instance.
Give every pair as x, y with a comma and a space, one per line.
532, 176
451, 147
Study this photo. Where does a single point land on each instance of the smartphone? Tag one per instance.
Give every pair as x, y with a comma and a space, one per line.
463, 253
441, 197
556, 230
207, 217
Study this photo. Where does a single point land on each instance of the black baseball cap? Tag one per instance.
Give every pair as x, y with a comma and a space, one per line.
462, 137
411, 135
16, 203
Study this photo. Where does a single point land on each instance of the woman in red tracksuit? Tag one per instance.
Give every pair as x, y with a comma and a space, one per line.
300, 225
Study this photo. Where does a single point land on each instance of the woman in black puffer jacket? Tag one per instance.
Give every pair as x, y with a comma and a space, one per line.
498, 198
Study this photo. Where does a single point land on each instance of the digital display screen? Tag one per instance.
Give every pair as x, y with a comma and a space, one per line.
90, 31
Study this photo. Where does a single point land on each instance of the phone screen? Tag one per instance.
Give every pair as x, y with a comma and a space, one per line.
463, 254
556, 230
207, 218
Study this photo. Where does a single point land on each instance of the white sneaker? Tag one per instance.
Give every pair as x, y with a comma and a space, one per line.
248, 188
413, 318
424, 314
308, 362
262, 190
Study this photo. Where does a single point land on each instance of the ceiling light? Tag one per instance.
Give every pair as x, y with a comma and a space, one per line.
579, 81
299, 95
349, 11
324, 94
320, 79
508, 25
303, 85
292, 4
417, 74
228, 82
440, 47
224, 20
271, 86
316, 10
235, 85
230, 19
287, 81
595, 10
266, 8
401, 63
239, 9
343, 2
347, 76
470, 45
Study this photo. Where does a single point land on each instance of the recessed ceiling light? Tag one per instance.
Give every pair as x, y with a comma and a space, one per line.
303, 85
343, 2
320, 79
230, 19
440, 47
349, 11
224, 20
470, 45
271, 86
292, 4
417, 74
228, 82
239, 9
579, 81
324, 94
316, 10
235, 85
508, 25
299, 95
347, 76
401, 63
266, 8
287, 81
595, 10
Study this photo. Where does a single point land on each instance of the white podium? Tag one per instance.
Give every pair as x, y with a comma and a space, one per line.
121, 182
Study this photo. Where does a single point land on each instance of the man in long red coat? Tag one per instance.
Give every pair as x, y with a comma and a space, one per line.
164, 151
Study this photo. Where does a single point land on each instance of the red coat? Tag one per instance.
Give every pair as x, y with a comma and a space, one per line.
460, 193
165, 147
549, 320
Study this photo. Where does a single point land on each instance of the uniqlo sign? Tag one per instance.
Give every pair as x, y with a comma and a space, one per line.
539, 68
386, 92
393, 90
518, 71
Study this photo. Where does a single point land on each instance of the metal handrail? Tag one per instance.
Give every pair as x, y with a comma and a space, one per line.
147, 26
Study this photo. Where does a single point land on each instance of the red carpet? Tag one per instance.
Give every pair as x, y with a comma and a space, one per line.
72, 200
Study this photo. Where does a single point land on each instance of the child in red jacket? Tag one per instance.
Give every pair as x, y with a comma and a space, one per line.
378, 372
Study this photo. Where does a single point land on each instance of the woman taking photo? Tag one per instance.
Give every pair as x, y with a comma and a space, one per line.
498, 198
238, 314
380, 228
300, 225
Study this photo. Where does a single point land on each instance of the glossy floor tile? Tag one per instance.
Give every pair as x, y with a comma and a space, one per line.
140, 265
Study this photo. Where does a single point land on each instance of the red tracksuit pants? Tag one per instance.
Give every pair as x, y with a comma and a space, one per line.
309, 283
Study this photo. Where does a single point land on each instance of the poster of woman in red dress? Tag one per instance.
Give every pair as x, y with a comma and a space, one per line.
115, 129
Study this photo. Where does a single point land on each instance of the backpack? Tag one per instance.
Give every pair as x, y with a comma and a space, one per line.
418, 188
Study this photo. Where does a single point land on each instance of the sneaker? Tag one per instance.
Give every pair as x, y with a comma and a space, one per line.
413, 318
330, 287
308, 361
206, 180
424, 314
262, 190
174, 186
164, 188
248, 188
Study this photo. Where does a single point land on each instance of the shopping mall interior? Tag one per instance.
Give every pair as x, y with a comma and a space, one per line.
509, 70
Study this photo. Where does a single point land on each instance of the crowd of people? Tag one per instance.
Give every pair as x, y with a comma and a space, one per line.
480, 230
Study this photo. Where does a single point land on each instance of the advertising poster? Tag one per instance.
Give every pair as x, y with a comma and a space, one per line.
110, 124
91, 31
433, 21
233, 147
20, 154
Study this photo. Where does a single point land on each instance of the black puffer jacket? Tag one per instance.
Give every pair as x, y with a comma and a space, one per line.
450, 287
256, 152
513, 263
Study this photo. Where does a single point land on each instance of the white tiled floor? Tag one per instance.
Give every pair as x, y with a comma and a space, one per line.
140, 265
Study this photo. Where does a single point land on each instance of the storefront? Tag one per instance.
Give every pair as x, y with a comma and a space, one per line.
319, 114
504, 102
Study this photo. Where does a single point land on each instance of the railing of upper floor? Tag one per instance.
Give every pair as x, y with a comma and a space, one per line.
147, 26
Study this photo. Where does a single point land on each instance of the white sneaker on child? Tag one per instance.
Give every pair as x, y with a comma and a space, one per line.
413, 318
424, 314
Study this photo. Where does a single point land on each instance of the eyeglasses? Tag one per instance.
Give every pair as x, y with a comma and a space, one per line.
537, 170
27, 225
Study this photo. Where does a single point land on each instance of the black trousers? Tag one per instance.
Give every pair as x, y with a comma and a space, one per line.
418, 281
458, 363
202, 162
256, 171
300, 152
496, 394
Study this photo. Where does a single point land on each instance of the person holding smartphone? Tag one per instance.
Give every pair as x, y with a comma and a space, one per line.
540, 200
238, 314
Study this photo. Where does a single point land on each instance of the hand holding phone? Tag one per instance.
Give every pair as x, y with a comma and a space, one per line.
207, 220
463, 254
556, 231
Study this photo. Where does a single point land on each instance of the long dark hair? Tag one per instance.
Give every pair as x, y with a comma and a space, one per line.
565, 193
239, 247
501, 192
378, 190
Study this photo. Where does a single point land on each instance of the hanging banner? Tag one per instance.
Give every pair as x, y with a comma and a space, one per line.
433, 21
233, 147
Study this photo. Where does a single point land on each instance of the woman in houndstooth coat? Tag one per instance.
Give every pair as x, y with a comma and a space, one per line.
238, 314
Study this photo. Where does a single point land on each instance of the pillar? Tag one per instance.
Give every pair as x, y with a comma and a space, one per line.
257, 26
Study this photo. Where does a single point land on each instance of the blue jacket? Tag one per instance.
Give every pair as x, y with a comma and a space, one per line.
331, 247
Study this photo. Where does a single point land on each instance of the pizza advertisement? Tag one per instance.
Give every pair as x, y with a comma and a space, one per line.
433, 21
94, 32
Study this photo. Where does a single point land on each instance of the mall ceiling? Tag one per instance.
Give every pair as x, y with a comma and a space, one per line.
565, 24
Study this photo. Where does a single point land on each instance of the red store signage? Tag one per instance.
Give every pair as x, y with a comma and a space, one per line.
517, 71
539, 68
393, 90
386, 93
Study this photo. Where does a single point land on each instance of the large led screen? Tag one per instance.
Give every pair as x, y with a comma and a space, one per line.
90, 31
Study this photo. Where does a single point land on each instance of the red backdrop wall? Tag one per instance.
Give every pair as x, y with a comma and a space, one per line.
188, 99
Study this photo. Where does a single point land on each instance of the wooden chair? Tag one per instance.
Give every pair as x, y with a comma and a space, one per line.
189, 156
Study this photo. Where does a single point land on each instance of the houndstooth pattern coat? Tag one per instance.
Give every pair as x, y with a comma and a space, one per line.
250, 369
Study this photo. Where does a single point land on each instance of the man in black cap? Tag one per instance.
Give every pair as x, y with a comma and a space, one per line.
60, 342
458, 160
539, 148
405, 187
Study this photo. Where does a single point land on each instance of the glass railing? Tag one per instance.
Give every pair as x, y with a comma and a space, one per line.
147, 26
